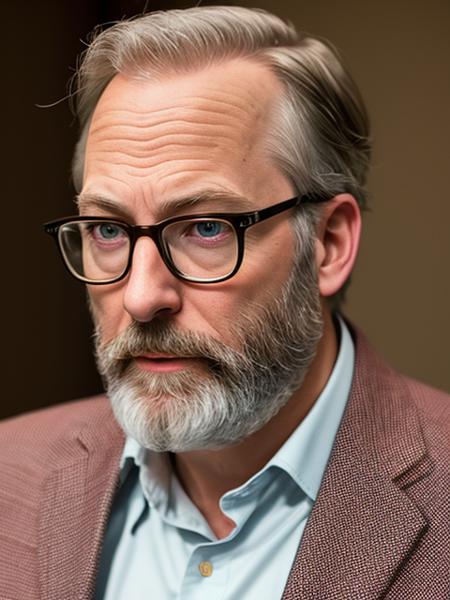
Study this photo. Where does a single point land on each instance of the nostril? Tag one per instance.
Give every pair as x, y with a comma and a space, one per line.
165, 312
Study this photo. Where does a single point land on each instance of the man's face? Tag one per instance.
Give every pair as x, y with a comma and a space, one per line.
152, 145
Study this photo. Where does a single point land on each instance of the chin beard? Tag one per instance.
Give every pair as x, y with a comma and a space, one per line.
235, 392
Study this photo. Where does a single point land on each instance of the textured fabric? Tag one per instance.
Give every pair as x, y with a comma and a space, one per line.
380, 527
159, 555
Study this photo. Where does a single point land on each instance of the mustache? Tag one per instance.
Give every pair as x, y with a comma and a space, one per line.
160, 337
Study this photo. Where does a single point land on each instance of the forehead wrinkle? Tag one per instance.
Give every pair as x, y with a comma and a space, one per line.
140, 168
155, 121
241, 99
150, 113
200, 138
140, 141
217, 125
169, 176
120, 181
188, 102
257, 98
150, 148
208, 110
143, 151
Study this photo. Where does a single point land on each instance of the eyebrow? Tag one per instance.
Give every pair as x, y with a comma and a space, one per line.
87, 202
228, 202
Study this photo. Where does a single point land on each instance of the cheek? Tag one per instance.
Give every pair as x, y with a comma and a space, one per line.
267, 265
107, 310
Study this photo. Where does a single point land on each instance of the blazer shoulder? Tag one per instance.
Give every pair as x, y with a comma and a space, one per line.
407, 417
433, 406
47, 430
431, 403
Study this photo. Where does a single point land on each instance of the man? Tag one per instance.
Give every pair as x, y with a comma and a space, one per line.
259, 448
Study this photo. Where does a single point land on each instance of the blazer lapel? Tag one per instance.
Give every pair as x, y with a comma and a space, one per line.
75, 508
363, 525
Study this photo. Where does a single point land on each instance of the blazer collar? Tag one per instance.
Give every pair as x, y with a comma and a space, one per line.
75, 507
363, 524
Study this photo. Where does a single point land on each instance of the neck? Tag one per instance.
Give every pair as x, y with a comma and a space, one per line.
207, 474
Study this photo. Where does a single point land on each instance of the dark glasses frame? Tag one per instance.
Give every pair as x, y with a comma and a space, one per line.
239, 221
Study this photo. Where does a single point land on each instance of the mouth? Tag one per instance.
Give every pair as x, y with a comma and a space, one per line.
164, 363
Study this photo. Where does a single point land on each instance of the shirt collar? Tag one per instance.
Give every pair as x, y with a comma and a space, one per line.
133, 453
304, 455
154, 472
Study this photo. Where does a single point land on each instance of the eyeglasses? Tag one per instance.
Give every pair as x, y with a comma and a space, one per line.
203, 248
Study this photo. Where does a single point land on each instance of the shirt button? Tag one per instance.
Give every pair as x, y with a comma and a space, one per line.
205, 568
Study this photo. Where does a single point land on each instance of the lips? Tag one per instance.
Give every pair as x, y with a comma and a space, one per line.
163, 363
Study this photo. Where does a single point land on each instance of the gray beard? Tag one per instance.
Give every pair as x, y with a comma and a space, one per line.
236, 393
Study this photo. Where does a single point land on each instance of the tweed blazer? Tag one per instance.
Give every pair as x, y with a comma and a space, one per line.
380, 527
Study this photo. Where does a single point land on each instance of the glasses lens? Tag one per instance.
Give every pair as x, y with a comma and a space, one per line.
95, 250
202, 249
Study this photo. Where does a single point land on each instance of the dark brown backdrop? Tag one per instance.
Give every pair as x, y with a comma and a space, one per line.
398, 52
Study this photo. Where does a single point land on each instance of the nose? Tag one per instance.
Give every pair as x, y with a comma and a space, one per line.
151, 289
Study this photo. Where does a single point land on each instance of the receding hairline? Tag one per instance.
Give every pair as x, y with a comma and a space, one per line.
264, 80
257, 64
159, 42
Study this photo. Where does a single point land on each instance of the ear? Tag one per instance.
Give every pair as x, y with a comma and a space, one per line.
337, 242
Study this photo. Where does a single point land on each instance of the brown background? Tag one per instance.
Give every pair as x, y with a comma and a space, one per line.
399, 53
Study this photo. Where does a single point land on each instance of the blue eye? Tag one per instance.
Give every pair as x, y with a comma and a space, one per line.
209, 228
108, 231
107, 235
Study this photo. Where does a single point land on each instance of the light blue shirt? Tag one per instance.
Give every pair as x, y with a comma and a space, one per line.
164, 548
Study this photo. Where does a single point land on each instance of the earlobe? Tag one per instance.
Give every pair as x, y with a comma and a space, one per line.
338, 242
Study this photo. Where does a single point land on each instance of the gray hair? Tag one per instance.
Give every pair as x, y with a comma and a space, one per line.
319, 133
